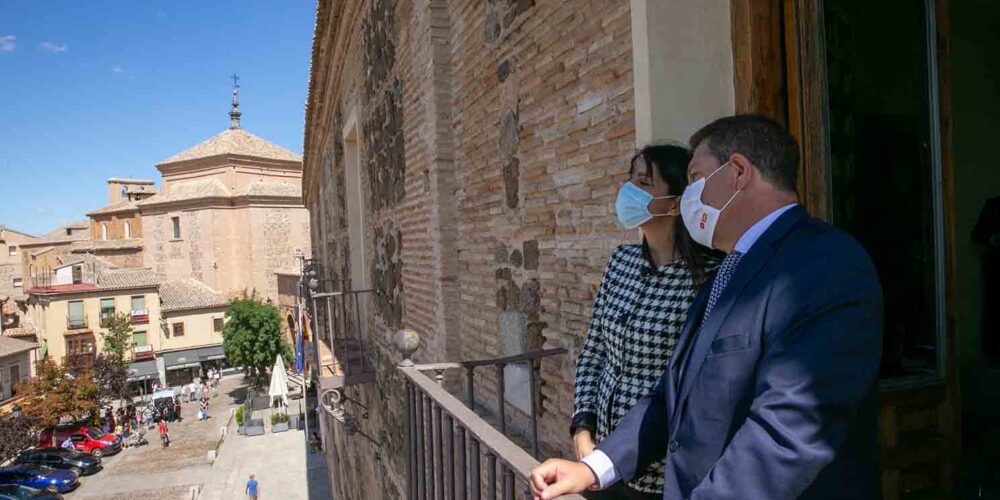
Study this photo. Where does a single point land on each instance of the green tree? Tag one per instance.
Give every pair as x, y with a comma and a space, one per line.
252, 335
110, 370
57, 392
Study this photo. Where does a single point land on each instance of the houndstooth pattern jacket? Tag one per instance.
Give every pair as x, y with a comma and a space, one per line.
634, 329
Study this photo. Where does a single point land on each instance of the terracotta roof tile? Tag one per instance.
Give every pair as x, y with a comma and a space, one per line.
189, 190
234, 142
19, 331
188, 293
10, 346
124, 279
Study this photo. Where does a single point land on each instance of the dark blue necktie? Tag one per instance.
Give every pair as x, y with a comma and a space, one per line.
721, 280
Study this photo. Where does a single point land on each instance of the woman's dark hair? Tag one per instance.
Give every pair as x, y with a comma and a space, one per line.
671, 161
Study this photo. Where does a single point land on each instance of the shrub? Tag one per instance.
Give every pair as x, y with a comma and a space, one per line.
278, 418
239, 416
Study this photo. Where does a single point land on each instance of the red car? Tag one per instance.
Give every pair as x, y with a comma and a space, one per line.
85, 439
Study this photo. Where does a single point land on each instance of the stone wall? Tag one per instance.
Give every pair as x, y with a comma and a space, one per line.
494, 135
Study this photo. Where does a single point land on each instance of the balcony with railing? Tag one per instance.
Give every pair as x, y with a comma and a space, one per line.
338, 339
140, 316
453, 451
76, 322
143, 352
79, 361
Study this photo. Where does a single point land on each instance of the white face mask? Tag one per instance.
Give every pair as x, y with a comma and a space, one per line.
699, 218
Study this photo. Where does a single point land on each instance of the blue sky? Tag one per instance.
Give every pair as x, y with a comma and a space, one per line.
98, 89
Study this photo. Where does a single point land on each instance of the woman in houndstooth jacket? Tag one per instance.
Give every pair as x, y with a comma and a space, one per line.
640, 308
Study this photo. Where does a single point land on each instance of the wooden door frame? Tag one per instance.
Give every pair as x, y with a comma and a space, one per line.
778, 71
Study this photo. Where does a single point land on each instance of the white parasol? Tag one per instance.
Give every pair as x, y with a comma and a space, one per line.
279, 382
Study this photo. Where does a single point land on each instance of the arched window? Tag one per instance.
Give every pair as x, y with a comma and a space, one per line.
104, 230
128, 230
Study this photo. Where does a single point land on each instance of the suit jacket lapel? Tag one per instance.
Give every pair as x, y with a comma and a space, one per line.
749, 266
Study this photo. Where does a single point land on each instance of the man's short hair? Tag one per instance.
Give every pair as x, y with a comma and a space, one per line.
765, 142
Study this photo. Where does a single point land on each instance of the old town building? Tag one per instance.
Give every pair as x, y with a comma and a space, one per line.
229, 213
462, 158
176, 324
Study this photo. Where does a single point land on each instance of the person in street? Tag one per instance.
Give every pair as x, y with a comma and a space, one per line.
218, 379
204, 407
773, 392
184, 393
164, 433
177, 409
201, 391
253, 489
68, 444
642, 301
315, 443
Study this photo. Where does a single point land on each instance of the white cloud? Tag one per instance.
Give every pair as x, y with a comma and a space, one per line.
43, 211
7, 43
118, 69
52, 47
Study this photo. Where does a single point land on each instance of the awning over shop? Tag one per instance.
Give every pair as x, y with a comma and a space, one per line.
178, 360
142, 370
210, 353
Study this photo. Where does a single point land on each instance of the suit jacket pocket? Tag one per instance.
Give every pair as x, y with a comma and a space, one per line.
730, 343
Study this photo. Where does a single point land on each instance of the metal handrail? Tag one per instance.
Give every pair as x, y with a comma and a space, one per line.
500, 364
441, 416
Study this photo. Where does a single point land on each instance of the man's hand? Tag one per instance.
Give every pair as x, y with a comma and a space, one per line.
558, 477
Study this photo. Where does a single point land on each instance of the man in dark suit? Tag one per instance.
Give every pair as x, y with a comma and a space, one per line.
772, 392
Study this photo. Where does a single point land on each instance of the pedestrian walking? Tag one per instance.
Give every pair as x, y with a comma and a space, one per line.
204, 408
184, 393
253, 489
164, 433
201, 391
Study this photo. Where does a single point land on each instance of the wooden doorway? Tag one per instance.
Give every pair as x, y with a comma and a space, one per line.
872, 116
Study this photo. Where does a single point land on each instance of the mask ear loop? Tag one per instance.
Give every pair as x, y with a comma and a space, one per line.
664, 198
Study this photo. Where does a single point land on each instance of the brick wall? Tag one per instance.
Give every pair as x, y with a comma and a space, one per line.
493, 136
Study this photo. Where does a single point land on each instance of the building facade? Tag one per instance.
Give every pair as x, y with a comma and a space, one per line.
229, 214
11, 275
462, 159
176, 324
17, 359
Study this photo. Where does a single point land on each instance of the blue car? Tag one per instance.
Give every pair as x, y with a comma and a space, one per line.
16, 492
40, 477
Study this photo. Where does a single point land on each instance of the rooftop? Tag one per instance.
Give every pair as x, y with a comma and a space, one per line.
10, 346
234, 141
74, 231
119, 180
188, 293
124, 206
125, 279
19, 331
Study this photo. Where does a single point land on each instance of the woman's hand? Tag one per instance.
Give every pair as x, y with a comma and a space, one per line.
583, 443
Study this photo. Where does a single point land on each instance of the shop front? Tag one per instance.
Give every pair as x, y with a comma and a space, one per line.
141, 377
182, 367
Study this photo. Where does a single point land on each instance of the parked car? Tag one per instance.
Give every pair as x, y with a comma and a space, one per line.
90, 440
17, 492
61, 458
41, 477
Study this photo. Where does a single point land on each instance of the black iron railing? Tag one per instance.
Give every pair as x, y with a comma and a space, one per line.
338, 338
448, 442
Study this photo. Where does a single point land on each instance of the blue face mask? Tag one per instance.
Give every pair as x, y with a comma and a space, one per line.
632, 205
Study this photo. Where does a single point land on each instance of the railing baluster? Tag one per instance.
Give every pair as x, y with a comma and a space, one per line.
421, 457
359, 330
328, 332
501, 406
449, 457
346, 355
508, 483
534, 409
470, 387
460, 477
435, 448
411, 440
475, 489
429, 449
491, 475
